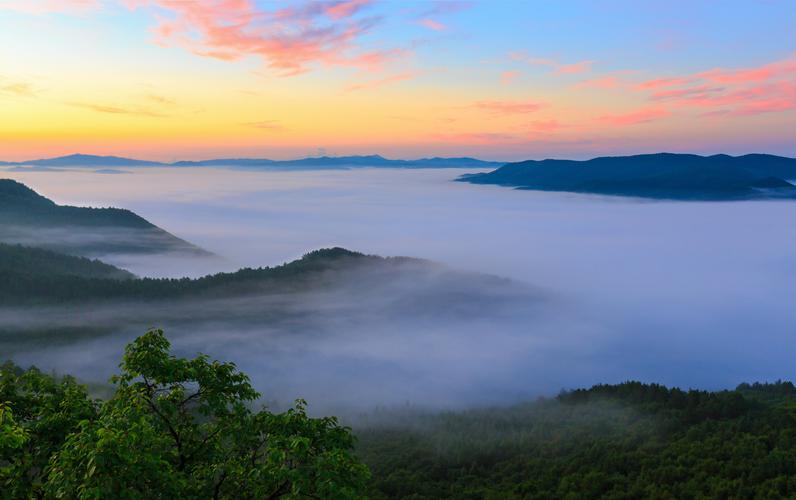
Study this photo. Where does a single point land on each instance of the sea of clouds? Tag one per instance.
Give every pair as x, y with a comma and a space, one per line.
682, 293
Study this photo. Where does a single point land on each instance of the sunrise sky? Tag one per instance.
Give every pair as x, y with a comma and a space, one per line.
176, 79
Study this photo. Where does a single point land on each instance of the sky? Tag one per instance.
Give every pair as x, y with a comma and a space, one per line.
502, 80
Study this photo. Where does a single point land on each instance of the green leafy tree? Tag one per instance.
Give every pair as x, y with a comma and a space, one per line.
12, 437
46, 410
179, 428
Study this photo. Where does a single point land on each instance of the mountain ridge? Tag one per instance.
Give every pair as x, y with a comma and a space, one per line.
660, 176
28, 218
29, 274
351, 161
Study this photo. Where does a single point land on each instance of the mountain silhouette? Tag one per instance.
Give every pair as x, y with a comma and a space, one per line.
28, 218
661, 176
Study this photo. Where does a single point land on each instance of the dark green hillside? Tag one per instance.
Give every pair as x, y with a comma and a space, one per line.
20, 205
30, 282
17, 262
42, 308
30, 219
662, 176
630, 440
16, 197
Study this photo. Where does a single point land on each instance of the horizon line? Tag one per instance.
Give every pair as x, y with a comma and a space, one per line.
373, 155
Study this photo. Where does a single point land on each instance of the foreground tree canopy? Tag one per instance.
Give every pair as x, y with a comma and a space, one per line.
184, 428
174, 428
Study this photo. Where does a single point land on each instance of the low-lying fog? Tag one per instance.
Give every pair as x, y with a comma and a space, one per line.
681, 293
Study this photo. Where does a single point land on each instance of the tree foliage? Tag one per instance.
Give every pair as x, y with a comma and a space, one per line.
174, 428
630, 440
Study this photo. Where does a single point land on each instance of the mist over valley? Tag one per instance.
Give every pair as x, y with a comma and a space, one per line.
523, 293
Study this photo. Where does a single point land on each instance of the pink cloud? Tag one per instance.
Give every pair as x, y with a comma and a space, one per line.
765, 106
545, 126
476, 138
575, 68
777, 69
523, 56
288, 39
341, 10
643, 115
432, 24
558, 68
509, 107
606, 82
373, 84
767, 98
715, 114
508, 77
693, 93
662, 82
769, 88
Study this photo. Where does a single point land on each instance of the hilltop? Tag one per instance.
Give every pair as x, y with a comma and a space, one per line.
28, 218
661, 176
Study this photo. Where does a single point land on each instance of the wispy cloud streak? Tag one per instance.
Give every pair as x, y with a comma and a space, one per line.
289, 39
117, 110
509, 107
643, 115
381, 82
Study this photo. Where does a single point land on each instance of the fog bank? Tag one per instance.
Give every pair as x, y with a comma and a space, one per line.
681, 293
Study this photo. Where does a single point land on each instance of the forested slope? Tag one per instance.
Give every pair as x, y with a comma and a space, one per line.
662, 176
630, 440
40, 276
31, 219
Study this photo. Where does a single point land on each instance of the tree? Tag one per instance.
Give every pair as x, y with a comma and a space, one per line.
177, 428
46, 410
12, 437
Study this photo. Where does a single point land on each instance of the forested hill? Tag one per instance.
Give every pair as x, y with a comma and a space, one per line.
630, 440
19, 264
20, 205
29, 218
170, 424
662, 176
42, 277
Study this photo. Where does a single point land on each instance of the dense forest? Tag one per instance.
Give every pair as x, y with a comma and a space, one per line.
29, 218
173, 428
37, 276
187, 428
630, 440
19, 264
20, 205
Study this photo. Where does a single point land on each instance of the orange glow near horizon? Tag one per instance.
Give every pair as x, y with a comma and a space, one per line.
160, 79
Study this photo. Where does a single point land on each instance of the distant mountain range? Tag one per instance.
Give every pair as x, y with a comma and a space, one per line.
660, 176
29, 218
89, 160
322, 162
